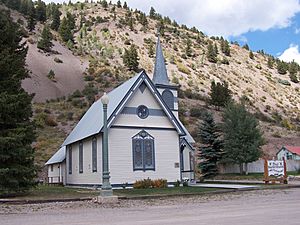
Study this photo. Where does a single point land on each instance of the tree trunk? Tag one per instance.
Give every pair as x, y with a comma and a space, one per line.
246, 168
241, 168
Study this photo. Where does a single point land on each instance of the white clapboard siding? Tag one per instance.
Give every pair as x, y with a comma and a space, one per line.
88, 176
120, 156
58, 173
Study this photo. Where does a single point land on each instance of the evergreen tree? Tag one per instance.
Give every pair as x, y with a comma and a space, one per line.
55, 18
65, 31
131, 58
188, 49
270, 62
151, 50
226, 49
282, 67
40, 10
152, 13
31, 24
119, 4
211, 53
220, 94
211, 146
125, 5
104, 4
71, 21
293, 70
242, 136
246, 46
17, 169
251, 55
45, 42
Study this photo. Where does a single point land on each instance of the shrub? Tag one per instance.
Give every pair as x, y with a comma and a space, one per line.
49, 121
58, 60
148, 183
89, 78
284, 82
182, 68
196, 112
142, 184
51, 75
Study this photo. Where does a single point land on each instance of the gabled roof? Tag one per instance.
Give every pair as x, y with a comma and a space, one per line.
92, 122
293, 149
58, 157
160, 75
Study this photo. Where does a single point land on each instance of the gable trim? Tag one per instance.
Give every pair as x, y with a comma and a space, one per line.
143, 77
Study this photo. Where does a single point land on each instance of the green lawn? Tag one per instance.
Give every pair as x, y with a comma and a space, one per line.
163, 191
45, 192
250, 176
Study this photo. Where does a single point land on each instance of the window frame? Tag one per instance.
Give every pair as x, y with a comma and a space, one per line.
70, 159
80, 157
94, 155
143, 136
169, 98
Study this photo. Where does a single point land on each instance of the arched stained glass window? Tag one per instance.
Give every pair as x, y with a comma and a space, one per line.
168, 97
143, 151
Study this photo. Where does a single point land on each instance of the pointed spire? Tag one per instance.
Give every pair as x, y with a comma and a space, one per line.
160, 75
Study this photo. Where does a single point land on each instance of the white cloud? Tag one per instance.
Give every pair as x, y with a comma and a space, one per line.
297, 30
224, 17
290, 54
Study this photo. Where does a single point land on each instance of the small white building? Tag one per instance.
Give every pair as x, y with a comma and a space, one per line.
57, 167
145, 136
289, 152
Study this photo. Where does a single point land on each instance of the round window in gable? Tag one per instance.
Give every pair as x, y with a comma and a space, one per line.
142, 112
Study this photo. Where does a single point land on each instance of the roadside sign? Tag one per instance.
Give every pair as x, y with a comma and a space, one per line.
275, 170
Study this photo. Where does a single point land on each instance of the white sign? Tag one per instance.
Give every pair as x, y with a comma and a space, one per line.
275, 168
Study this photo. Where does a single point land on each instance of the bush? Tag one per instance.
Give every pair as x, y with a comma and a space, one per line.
284, 82
142, 184
49, 121
196, 112
159, 183
148, 183
51, 75
58, 60
182, 68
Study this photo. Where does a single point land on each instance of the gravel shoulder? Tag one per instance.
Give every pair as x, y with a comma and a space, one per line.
253, 207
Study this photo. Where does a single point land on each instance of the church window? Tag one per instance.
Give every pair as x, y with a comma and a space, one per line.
70, 158
142, 112
168, 97
80, 157
143, 151
94, 154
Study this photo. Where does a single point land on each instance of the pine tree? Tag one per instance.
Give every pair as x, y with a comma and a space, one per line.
242, 136
104, 4
31, 24
125, 5
119, 4
45, 43
71, 21
211, 54
220, 94
40, 11
152, 13
151, 50
282, 67
55, 18
251, 55
270, 62
65, 31
293, 70
17, 169
246, 46
226, 50
188, 49
131, 58
211, 146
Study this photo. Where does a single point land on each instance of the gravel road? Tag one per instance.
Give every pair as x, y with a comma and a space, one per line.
261, 207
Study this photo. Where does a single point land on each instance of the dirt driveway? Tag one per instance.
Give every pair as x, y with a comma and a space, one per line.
247, 208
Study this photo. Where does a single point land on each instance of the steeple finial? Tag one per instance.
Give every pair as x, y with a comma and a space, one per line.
160, 75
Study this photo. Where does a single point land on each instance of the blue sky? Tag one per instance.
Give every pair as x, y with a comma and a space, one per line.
271, 25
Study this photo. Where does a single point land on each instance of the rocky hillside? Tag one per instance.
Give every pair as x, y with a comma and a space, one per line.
94, 64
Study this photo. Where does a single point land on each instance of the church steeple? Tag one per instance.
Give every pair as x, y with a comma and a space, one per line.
160, 75
169, 92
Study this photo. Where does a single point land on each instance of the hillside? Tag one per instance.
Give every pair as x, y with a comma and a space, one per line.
94, 64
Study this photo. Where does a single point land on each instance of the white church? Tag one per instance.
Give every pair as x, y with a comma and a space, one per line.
145, 136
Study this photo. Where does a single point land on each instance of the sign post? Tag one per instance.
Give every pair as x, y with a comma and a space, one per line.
275, 170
